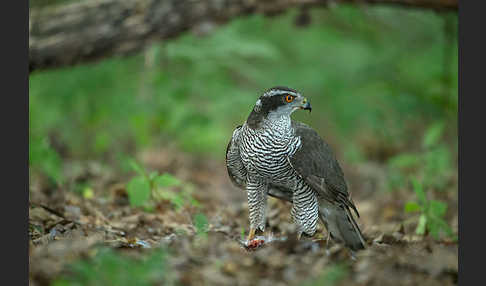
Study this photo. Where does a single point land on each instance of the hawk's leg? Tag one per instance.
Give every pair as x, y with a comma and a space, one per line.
305, 211
328, 239
257, 203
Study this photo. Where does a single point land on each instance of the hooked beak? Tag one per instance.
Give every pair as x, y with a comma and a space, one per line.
306, 105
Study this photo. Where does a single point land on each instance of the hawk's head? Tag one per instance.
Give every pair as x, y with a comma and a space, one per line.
276, 102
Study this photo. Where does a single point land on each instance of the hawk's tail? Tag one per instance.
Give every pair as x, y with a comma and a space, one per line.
341, 225
350, 232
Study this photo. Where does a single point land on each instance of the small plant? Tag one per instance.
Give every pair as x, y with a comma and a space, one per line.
331, 276
242, 234
201, 224
145, 187
431, 213
108, 267
433, 163
44, 158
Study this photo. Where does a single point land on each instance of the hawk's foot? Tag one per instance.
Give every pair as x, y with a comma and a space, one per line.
254, 243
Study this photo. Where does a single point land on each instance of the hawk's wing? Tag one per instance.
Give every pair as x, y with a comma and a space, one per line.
234, 165
314, 161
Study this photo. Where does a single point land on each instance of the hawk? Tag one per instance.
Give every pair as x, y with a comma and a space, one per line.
271, 154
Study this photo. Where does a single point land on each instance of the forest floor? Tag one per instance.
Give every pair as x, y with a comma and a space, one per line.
66, 227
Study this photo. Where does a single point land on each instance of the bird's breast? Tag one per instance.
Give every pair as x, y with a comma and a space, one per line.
264, 154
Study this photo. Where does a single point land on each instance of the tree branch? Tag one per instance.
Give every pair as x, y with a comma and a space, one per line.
92, 29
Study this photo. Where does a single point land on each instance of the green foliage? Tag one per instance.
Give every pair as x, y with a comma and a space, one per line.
433, 135
44, 158
111, 268
433, 163
145, 188
367, 72
139, 191
331, 276
201, 223
431, 212
165, 188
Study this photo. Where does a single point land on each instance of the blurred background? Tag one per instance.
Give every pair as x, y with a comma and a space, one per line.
142, 135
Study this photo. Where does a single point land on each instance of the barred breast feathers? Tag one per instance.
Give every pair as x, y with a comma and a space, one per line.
264, 151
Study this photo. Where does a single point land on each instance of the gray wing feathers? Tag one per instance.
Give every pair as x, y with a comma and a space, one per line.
315, 162
234, 165
330, 192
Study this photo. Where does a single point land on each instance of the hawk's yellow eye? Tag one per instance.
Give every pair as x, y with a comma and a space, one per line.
289, 98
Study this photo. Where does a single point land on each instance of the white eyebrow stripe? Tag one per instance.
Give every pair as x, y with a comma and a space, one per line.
279, 91
258, 106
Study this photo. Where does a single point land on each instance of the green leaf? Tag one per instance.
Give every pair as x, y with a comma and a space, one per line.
174, 197
194, 202
137, 168
153, 175
406, 160
437, 225
166, 180
419, 191
149, 207
201, 223
420, 230
437, 208
412, 207
138, 190
437, 166
433, 134
178, 201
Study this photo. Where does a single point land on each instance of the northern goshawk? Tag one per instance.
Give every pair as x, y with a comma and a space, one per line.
271, 154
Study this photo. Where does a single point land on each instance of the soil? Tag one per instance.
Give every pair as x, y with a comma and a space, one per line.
65, 226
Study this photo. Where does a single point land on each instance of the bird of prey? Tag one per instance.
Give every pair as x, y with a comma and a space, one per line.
271, 154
